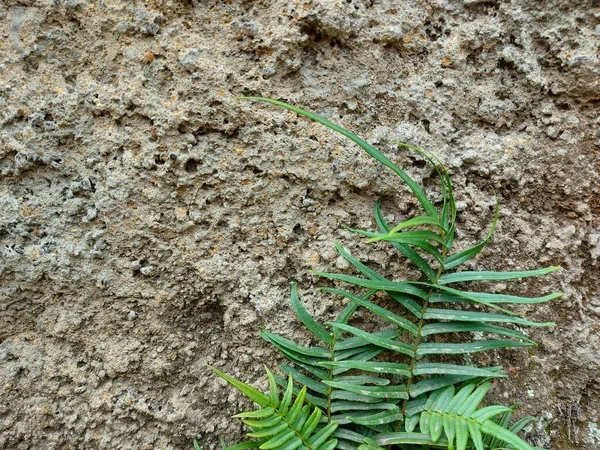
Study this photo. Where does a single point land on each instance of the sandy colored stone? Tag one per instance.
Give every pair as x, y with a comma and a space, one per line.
150, 221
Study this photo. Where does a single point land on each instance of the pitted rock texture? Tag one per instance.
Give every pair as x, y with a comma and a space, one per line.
150, 222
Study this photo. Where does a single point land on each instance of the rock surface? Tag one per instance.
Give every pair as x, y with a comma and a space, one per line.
150, 223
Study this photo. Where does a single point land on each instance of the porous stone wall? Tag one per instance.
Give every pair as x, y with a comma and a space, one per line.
150, 223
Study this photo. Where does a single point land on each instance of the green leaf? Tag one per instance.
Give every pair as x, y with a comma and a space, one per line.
367, 354
270, 431
355, 342
385, 392
445, 297
503, 422
435, 426
363, 379
520, 424
407, 302
408, 252
460, 327
359, 406
470, 404
308, 364
459, 399
408, 237
417, 222
323, 434
362, 268
317, 352
287, 395
252, 393
292, 444
488, 412
449, 206
505, 435
475, 432
374, 339
348, 435
316, 401
449, 430
278, 440
467, 347
431, 384
309, 322
415, 406
196, 445
476, 316
454, 369
379, 418
302, 379
404, 238
411, 422
267, 422
329, 445
311, 423
406, 438
372, 366
302, 419
312, 399
391, 286
438, 400
376, 309
462, 433
370, 444
274, 390
460, 277
443, 291
296, 408
258, 414
347, 445
354, 397
371, 150
424, 422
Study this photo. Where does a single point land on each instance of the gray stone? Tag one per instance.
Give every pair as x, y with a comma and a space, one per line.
124, 271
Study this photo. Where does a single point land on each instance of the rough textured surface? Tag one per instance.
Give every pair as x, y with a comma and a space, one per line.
150, 224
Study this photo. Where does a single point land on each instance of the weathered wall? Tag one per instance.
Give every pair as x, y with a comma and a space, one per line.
150, 224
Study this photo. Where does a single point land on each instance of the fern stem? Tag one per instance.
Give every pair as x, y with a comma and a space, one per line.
418, 337
331, 369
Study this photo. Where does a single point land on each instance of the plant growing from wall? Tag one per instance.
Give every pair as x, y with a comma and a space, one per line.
394, 388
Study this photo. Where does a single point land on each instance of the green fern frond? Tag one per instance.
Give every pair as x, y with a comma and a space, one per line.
281, 424
456, 417
370, 389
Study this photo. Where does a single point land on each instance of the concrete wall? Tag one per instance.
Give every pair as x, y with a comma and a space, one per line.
150, 223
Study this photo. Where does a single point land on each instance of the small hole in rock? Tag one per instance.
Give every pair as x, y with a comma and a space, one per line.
426, 125
191, 165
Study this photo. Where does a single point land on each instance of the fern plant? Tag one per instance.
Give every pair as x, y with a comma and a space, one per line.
395, 388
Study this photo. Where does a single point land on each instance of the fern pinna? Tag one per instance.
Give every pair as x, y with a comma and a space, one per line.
368, 390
